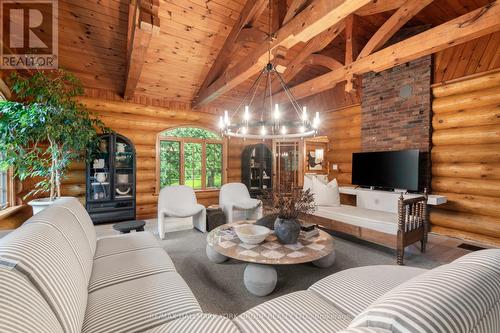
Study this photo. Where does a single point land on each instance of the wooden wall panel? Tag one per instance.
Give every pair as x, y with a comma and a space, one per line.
477, 56
343, 129
466, 157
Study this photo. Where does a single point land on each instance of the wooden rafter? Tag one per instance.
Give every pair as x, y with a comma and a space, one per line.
408, 10
143, 24
472, 25
380, 6
250, 13
313, 20
316, 44
278, 12
295, 7
251, 35
350, 45
322, 60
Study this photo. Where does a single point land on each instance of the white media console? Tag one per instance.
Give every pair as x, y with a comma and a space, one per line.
385, 201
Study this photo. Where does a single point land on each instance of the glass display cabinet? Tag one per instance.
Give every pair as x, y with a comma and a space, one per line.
256, 169
111, 180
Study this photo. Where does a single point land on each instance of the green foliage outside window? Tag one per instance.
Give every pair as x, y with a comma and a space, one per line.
194, 161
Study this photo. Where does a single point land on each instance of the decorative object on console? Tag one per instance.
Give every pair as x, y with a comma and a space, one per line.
288, 205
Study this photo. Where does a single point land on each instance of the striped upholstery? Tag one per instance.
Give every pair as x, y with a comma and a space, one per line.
353, 290
487, 258
76, 208
490, 323
301, 312
139, 305
22, 308
127, 266
452, 298
198, 323
47, 260
365, 330
66, 223
124, 243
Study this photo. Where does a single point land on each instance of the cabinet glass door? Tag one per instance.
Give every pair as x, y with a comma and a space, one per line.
99, 172
124, 169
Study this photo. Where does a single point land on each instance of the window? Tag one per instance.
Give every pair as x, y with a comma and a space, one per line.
191, 156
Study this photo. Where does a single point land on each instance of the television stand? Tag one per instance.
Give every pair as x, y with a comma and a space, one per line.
386, 201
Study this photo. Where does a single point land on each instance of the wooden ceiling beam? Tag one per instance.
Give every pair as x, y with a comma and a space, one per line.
279, 10
316, 18
477, 23
380, 6
295, 7
408, 10
252, 35
316, 44
143, 24
250, 13
323, 60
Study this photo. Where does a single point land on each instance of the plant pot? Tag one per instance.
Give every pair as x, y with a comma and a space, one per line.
40, 204
287, 231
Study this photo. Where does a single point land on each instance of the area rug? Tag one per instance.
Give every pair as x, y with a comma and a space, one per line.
219, 288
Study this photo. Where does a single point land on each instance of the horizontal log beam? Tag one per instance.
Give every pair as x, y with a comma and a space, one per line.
482, 82
470, 26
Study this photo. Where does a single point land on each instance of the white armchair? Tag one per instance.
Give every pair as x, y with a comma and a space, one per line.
235, 201
179, 202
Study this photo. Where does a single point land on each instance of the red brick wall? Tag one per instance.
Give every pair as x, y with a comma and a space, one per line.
396, 110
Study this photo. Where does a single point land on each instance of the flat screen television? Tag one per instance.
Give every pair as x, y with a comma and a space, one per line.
387, 169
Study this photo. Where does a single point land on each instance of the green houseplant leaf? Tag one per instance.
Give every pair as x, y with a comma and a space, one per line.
46, 128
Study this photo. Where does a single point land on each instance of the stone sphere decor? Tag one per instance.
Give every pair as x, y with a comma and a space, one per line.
287, 231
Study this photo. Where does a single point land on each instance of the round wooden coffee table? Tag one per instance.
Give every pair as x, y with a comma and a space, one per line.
260, 275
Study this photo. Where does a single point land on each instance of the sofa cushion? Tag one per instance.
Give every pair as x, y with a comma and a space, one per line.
353, 290
366, 218
76, 208
47, 260
140, 304
326, 194
111, 245
65, 222
22, 307
206, 323
450, 299
487, 258
301, 312
130, 265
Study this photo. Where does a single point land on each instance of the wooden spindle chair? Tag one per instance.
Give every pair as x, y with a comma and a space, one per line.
412, 224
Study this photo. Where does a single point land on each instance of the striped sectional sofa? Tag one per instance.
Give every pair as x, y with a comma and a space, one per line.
56, 277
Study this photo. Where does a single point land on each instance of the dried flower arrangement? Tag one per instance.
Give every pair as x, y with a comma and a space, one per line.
289, 203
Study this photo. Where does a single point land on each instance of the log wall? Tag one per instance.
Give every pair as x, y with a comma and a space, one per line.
343, 129
466, 157
141, 124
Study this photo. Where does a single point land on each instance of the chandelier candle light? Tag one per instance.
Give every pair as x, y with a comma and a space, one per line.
270, 123
267, 120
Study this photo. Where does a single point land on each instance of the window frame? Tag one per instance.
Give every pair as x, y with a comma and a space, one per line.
182, 142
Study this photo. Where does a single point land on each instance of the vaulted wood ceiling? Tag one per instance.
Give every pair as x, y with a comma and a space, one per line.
93, 42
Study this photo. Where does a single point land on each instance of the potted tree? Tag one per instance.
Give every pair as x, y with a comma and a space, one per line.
44, 130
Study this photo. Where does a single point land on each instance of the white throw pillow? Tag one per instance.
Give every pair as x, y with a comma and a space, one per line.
326, 194
308, 182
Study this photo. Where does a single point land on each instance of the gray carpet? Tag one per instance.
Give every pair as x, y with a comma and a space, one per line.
219, 287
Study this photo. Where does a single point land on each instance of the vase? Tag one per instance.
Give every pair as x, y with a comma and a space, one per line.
287, 231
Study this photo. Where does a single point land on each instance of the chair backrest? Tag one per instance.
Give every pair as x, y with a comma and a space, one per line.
461, 297
233, 192
175, 196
